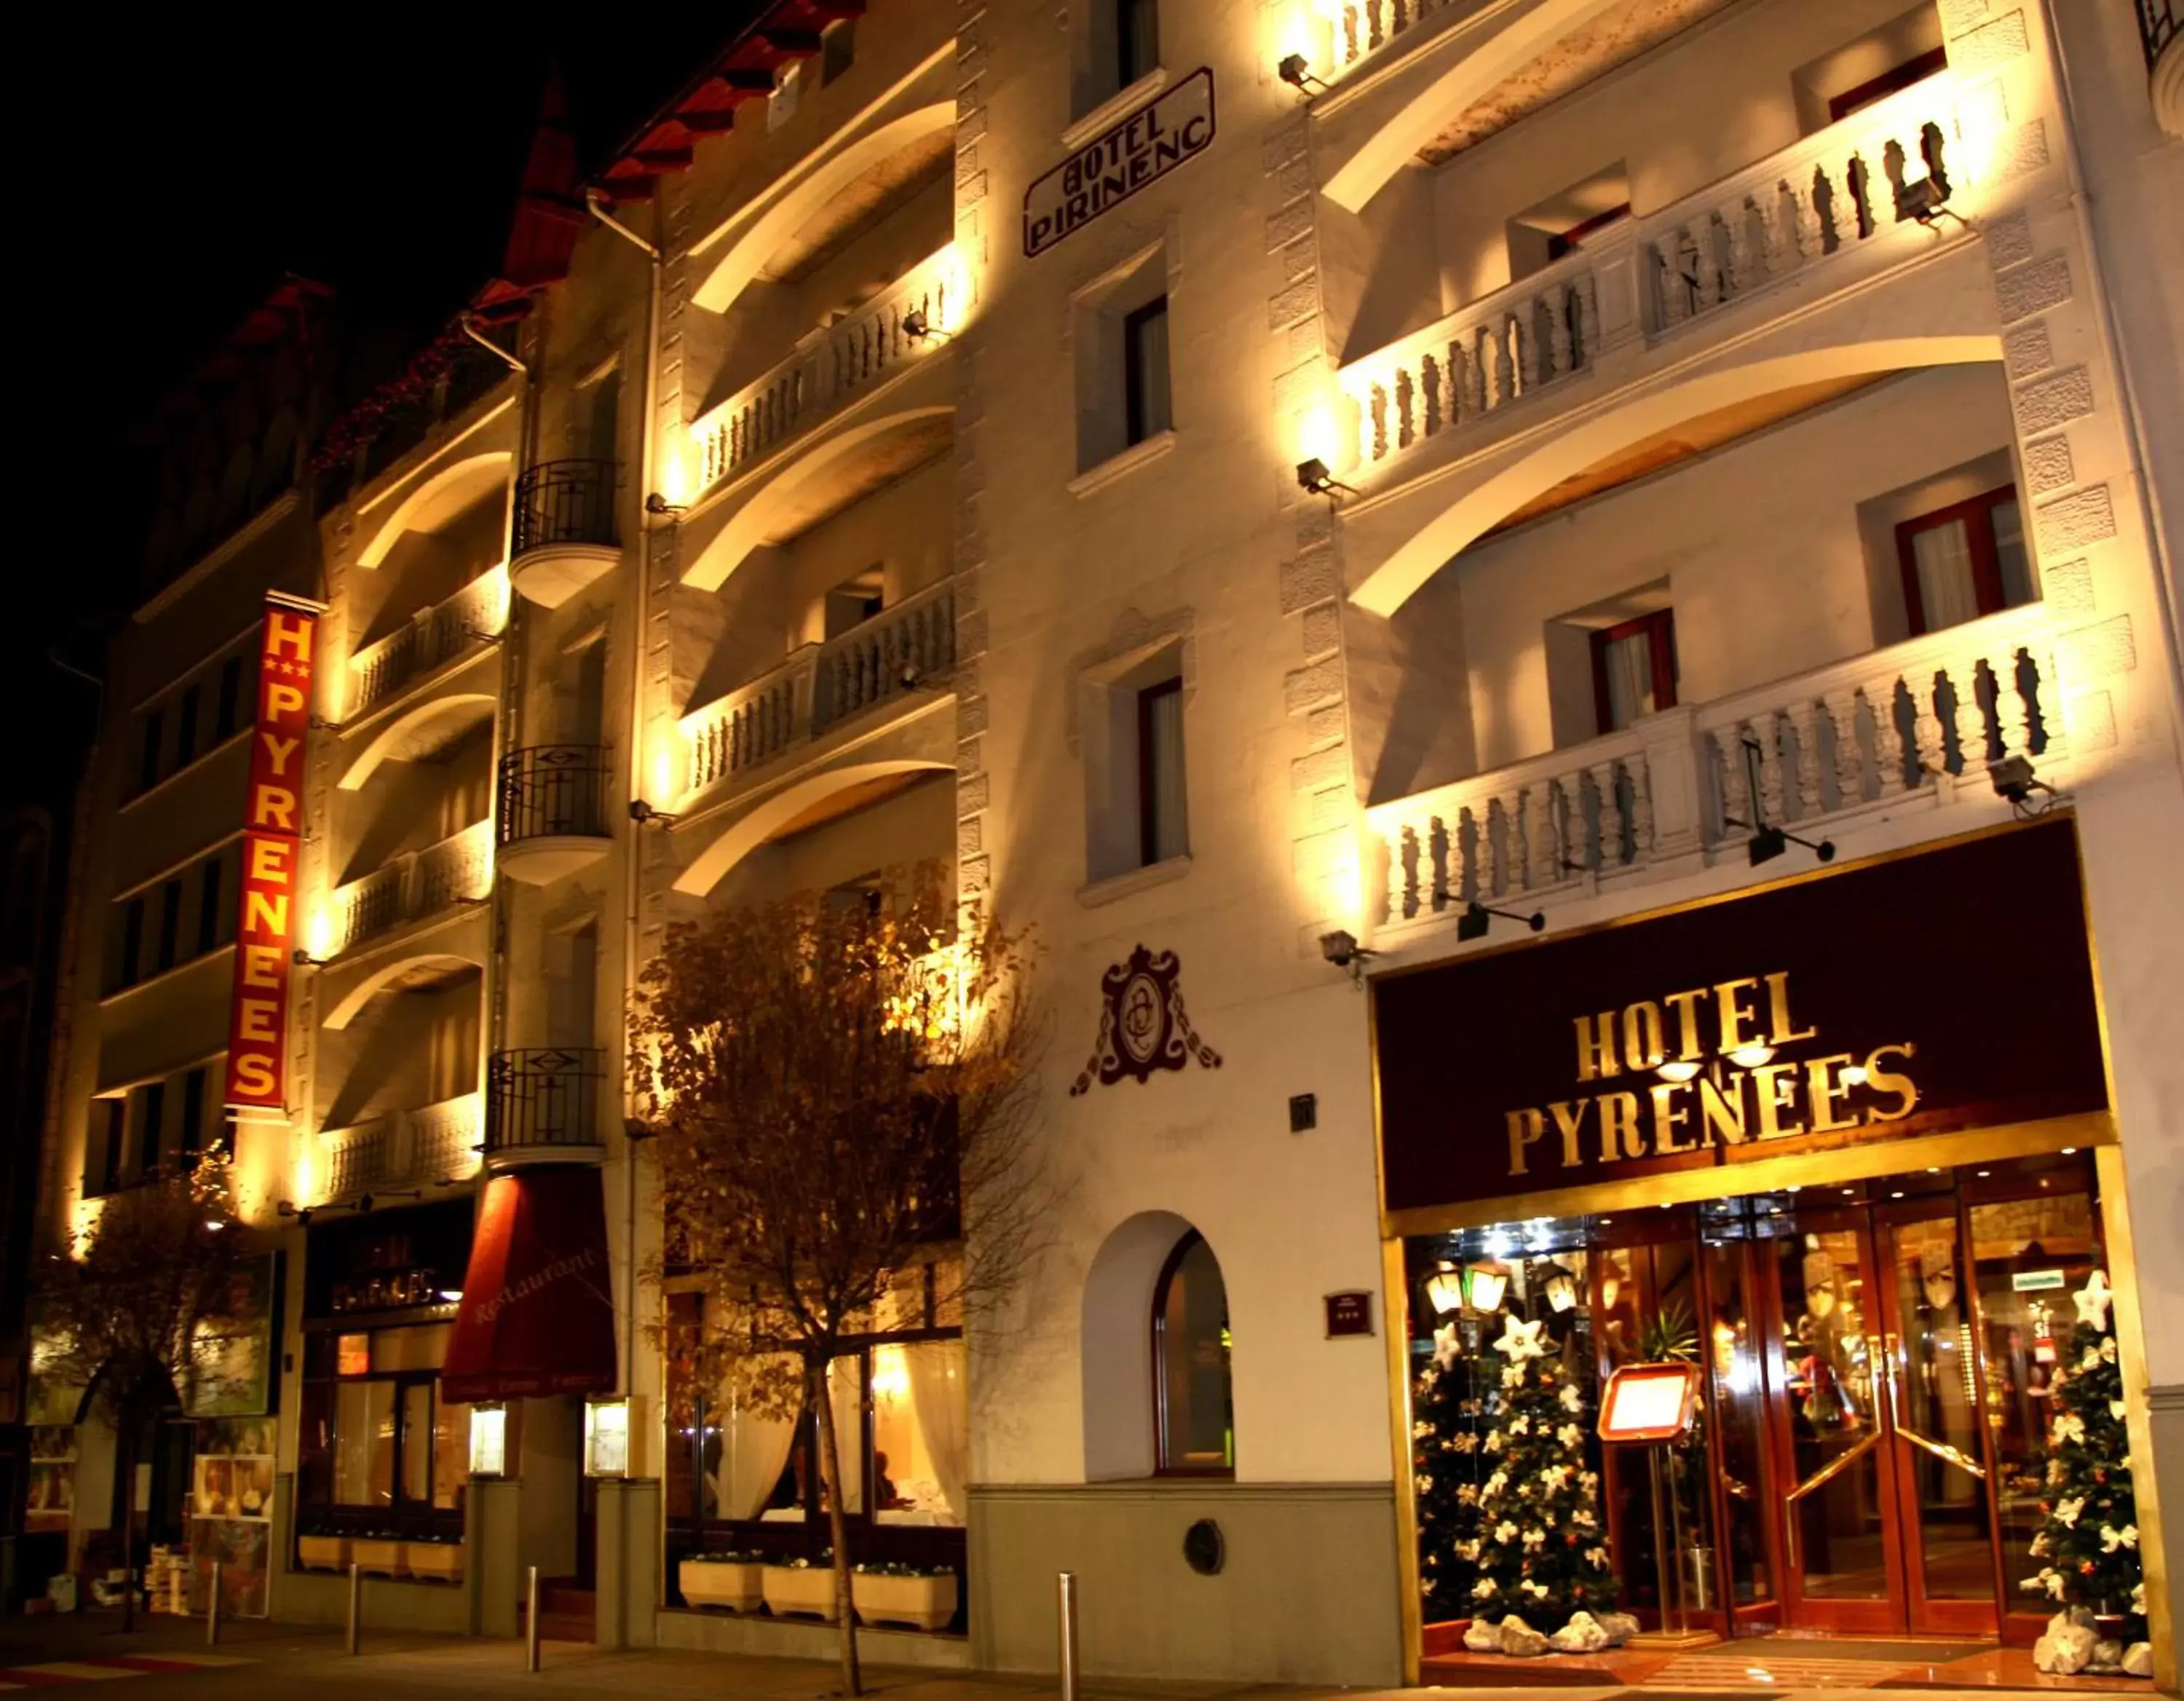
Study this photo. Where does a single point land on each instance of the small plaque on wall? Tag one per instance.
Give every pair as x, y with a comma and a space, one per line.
1349, 1313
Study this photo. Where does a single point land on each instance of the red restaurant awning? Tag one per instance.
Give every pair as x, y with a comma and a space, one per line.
537, 1310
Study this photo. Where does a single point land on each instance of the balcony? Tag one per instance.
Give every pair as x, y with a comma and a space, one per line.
1891, 730
892, 657
412, 888
553, 810
831, 367
436, 1142
564, 534
542, 1106
1803, 215
434, 639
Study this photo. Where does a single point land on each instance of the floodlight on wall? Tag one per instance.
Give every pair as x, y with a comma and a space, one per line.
1295, 70
917, 324
645, 814
1477, 917
1340, 948
1444, 1289
658, 503
1770, 841
1312, 474
2013, 778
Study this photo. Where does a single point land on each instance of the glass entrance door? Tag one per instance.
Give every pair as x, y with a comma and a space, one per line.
1888, 1522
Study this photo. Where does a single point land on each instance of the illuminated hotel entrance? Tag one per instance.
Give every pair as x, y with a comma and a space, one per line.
1877, 1358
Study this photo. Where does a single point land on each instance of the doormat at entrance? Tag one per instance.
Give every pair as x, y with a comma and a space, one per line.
1855, 1647
1714, 1673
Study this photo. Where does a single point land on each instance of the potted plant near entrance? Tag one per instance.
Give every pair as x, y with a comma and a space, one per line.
380, 1552
736, 1581
322, 1553
438, 1558
801, 1585
911, 1595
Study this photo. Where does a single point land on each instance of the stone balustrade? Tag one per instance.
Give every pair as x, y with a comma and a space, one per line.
432, 638
417, 883
830, 366
1897, 723
889, 655
1826, 195
434, 1142
1364, 26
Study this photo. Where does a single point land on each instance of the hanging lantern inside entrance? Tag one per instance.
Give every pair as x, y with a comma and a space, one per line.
1484, 1284
1562, 1291
1444, 1289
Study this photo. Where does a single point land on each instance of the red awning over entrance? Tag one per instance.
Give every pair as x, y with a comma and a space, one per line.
537, 1309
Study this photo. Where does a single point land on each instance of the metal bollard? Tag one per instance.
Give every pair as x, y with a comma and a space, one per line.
1065, 1606
355, 1603
531, 1623
212, 1611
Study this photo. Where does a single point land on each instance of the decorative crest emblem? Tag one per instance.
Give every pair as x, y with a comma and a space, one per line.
1143, 1026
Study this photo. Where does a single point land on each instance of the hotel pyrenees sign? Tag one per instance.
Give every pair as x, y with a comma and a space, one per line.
1118, 162
1925, 993
272, 840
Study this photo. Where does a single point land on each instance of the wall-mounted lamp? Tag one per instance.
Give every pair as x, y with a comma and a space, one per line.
645, 814
1768, 842
917, 328
303, 959
1477, 917
1313, 475
2013, 778
289, 1207
1340, 948
1295, 70
657, 504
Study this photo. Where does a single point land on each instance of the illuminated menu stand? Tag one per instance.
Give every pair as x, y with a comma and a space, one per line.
1653, 1406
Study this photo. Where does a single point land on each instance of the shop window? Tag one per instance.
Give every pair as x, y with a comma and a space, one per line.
921, 1432
1193, 1417
1634, 669
377, 1436
1965, 561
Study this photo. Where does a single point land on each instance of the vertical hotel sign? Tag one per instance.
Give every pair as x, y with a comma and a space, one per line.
272, 842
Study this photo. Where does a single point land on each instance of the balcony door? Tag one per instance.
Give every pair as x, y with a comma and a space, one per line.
1888, 1523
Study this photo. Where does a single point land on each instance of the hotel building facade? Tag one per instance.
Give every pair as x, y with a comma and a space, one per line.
1562, 615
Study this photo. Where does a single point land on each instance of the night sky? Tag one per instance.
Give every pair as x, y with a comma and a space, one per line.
202, 154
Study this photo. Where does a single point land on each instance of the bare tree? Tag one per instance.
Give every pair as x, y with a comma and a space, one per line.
128, 1306
840, 1091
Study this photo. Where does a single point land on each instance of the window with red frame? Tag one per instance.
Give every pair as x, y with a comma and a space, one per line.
1634, 669
1964, 560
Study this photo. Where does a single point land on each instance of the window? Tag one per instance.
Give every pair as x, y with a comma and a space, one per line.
209, 908
108, 1136
1873, 89
1163, 812
1965, 561
1195, 1418
1136, 39
1634, 669
186, 727
132, 942
376, 1435
151, 1126
171, 923
227, 716
193, 1106
153, 727
1145, 396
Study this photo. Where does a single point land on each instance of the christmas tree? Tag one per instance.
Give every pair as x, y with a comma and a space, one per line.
1445, 1458
1542, 1549
2088, 1546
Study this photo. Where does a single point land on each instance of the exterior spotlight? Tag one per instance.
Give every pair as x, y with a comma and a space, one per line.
1925, 201
917, 326
1313, 475
2013, 778
1477, 917
1296, 71
657, 504
1770, 842
643, 814
1340, 948
303, 959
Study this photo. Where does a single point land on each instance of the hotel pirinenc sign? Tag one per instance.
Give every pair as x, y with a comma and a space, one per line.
1921, 994
1121, 159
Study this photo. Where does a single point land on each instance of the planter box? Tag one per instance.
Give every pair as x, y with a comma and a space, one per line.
322, 1553
442, 1561
921, 1603
739, 1587
381, 1557
809, 1592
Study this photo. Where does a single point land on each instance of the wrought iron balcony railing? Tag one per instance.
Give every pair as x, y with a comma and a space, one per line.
566, 502
554, 791
541, 1097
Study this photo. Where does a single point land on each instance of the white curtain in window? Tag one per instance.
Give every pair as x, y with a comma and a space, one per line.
1946, 593
940, 1389
753, 1453
1628, 664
